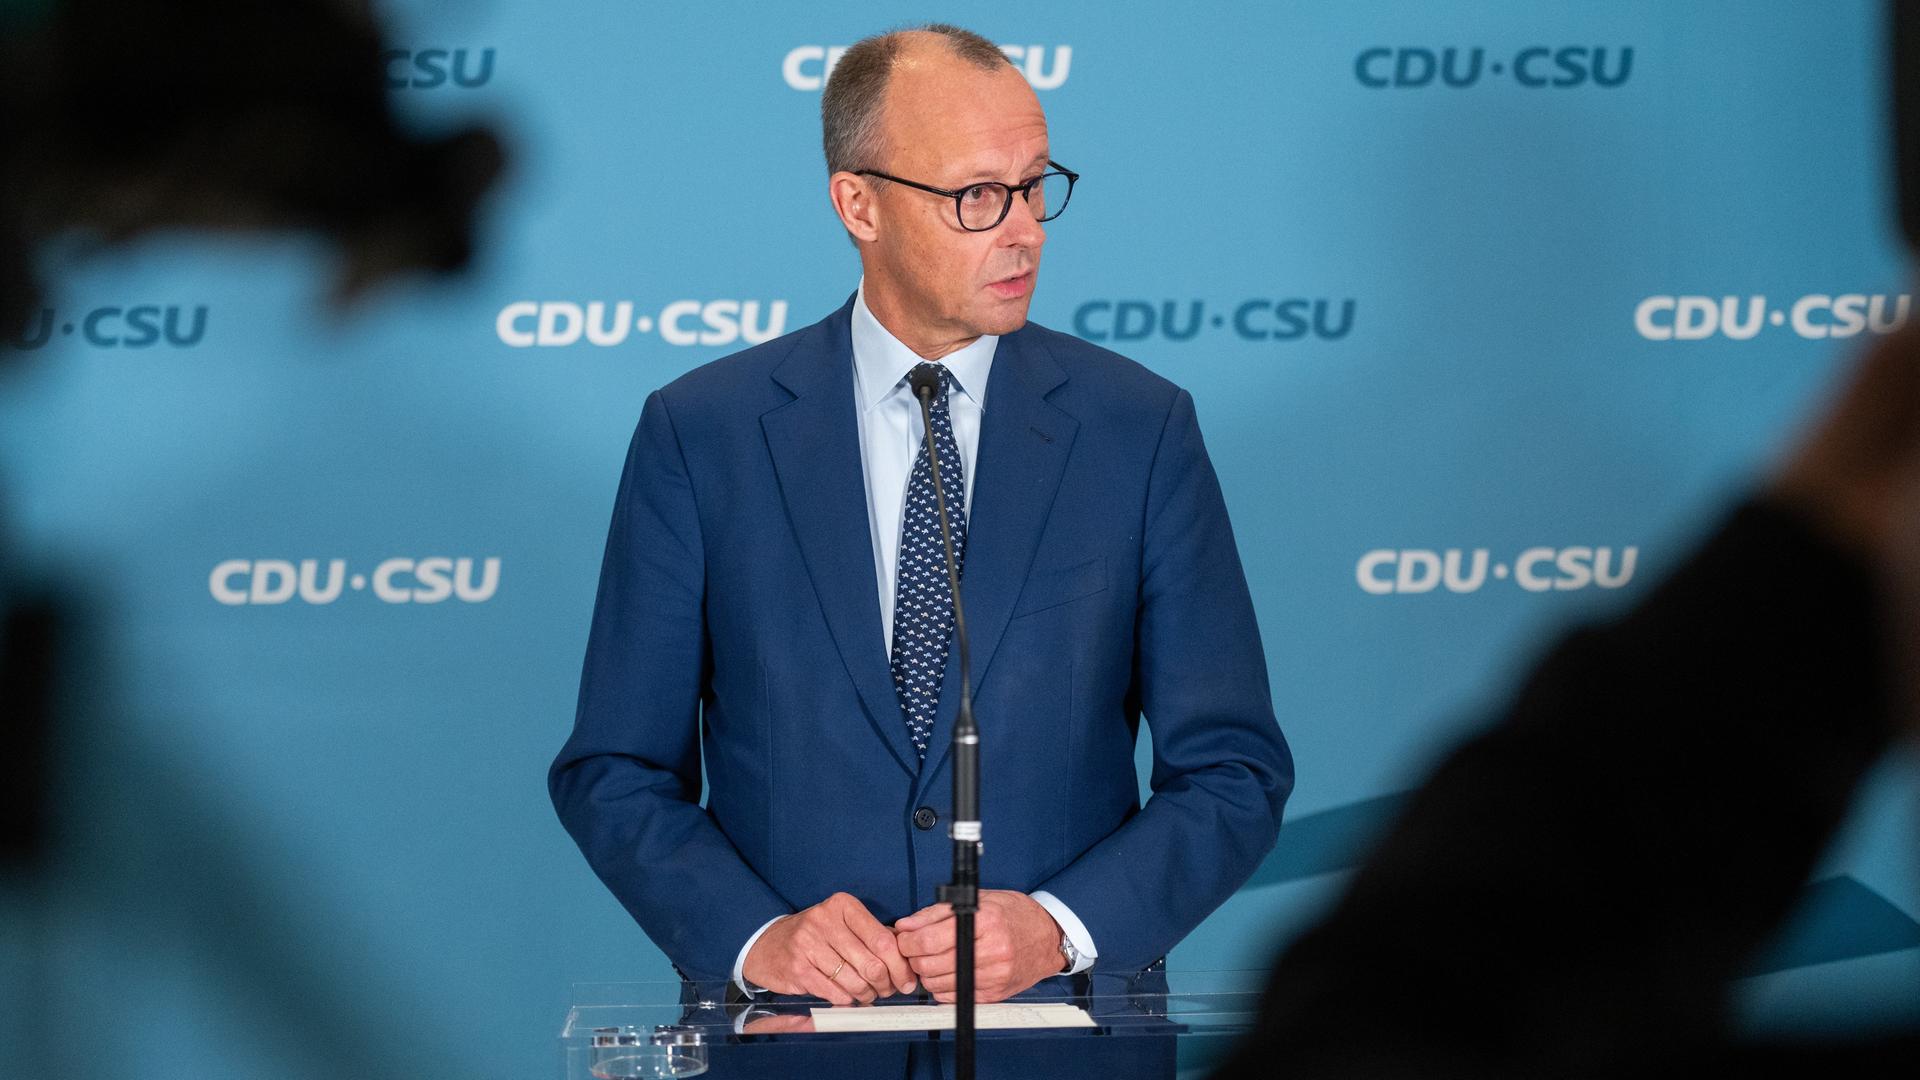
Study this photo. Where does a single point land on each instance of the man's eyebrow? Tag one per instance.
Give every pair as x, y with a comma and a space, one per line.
1034, 168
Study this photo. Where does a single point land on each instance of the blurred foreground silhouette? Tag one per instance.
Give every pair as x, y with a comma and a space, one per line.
119, 118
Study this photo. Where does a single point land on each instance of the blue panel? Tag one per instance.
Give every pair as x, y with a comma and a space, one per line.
1487, 309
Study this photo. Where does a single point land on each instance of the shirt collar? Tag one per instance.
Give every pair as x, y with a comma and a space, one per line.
881, 361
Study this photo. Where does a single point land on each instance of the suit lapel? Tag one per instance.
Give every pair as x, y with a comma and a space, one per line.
816, 454
1024, 443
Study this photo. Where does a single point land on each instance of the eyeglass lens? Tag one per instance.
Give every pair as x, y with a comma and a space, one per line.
983, 205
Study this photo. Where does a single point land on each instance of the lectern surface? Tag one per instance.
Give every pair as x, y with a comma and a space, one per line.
1163, 1026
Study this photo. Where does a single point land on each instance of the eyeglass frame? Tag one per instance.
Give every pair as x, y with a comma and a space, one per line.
1006, 207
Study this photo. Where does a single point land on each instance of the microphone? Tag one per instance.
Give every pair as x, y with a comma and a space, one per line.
964, 893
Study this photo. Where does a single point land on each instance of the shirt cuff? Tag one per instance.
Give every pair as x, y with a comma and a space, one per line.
1070, 925
740, 962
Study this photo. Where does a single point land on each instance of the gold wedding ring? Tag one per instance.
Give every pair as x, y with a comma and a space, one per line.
835, 973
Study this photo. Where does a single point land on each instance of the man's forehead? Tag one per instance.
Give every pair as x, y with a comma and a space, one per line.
949, 113
934, 78
990, 162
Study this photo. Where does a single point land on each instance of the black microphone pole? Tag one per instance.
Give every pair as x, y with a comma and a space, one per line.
964, 893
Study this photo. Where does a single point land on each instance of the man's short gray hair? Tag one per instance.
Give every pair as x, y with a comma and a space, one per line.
850, 107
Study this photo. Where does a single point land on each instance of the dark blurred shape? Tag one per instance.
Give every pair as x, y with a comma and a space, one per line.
1904, 69
119, 117
29, 646
1571, 893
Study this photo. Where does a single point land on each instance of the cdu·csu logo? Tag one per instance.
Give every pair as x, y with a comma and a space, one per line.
554, 323
240, 582
1741, 318
1386, 571
806, 67
1534, 68
140, 326
428, 69
1256, 319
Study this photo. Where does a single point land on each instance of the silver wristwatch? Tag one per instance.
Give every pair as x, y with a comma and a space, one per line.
1067, 950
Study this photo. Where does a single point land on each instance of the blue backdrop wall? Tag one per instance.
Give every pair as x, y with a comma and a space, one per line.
1487, 308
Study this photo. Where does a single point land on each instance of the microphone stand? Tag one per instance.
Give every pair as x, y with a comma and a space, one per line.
964, 892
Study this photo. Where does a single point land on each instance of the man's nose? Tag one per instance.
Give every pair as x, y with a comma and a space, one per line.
1020, 229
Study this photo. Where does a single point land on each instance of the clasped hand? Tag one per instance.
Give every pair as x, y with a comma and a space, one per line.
836, 950
1015, 944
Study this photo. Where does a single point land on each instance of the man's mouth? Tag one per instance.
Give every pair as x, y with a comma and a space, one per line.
1011, 287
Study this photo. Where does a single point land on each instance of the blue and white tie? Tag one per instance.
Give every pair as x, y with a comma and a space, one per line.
923, 596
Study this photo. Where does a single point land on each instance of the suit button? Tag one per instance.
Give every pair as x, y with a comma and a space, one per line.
924, 818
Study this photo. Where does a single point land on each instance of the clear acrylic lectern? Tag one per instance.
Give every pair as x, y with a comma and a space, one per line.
1170, 1025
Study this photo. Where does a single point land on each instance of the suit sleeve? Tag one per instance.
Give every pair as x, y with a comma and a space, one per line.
1221, 768
627, 783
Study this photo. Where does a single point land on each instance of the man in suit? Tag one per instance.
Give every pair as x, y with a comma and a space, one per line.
774, 614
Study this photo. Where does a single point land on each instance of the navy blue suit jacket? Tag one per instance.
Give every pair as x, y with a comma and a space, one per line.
738, 628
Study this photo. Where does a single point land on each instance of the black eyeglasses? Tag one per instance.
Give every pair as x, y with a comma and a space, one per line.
984, 205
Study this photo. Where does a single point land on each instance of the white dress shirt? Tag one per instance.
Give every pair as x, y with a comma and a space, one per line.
891, 432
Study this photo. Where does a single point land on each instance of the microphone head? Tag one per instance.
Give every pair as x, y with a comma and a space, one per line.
925, 379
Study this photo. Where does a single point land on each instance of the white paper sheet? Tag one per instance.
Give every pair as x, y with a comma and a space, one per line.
940, 1017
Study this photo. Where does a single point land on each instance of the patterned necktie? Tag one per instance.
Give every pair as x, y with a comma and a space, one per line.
923, 595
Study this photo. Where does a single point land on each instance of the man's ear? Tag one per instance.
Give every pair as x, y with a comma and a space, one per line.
853, 200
